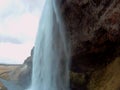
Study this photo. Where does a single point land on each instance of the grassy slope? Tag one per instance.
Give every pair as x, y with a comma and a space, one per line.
107, 78
4, 72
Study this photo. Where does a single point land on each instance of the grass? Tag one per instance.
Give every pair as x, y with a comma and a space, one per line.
4, 73
107, 78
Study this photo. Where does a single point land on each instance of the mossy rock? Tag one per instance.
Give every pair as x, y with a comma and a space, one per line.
107, 78
77, 80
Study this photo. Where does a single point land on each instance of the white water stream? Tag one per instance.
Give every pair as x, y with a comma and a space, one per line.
51, 53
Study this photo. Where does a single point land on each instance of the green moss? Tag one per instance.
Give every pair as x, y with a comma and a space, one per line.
106, 78
77, 78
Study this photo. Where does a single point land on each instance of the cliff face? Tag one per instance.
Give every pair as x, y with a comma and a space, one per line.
94, 29
93, 26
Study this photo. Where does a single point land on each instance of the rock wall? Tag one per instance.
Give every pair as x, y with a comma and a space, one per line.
94, 29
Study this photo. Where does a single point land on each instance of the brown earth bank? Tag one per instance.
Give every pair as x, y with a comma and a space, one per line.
5, 71
19, 74
93, 28
107, 78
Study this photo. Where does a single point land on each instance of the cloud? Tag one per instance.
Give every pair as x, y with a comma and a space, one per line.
17, 7
7, 39
11, 7
19, 21
22, 27
33, 5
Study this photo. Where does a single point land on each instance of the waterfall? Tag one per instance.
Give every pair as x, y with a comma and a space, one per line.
51, 53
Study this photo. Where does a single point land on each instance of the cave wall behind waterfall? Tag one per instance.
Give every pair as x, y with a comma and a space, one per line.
94, 29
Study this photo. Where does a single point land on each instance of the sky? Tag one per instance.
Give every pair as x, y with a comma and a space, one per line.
19, 21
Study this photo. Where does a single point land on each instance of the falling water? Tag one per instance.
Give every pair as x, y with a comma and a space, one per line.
51, 53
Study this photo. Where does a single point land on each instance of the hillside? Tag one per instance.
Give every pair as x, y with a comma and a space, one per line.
5, 70
107, 78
